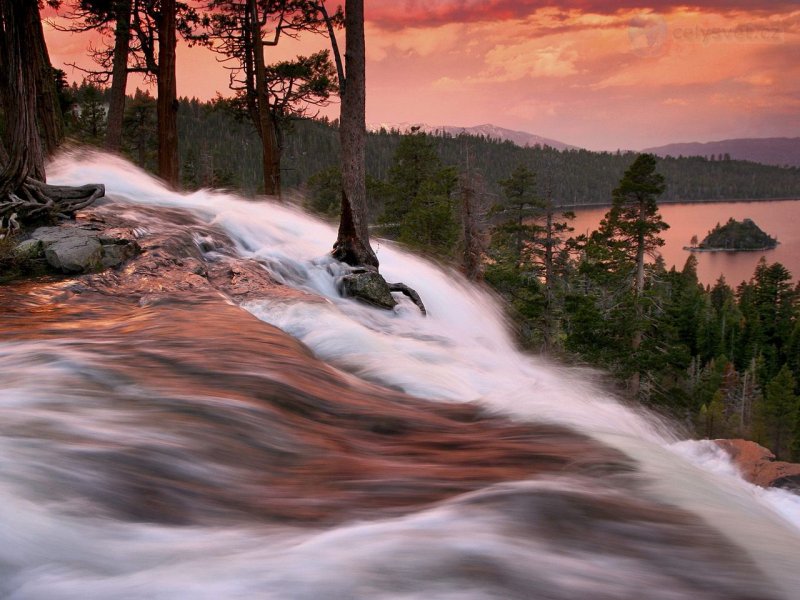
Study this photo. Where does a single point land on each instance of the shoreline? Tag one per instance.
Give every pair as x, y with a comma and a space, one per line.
698, 249
684, 202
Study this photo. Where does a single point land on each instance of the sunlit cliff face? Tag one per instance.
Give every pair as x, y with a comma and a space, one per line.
599, 75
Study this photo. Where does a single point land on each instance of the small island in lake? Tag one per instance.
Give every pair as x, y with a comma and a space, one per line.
735, 236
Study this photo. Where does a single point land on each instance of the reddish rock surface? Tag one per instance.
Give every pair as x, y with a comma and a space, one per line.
172, 259
758, 465
292, 438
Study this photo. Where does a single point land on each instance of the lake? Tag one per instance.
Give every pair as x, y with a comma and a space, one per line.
778, 218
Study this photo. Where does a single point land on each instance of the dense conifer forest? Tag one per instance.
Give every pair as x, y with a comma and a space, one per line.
219, 147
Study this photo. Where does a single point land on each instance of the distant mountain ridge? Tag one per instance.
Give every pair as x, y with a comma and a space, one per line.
520, 138
779, 151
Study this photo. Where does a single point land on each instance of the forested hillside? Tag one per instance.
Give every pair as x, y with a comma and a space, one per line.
576, 177
768, 151
219, 148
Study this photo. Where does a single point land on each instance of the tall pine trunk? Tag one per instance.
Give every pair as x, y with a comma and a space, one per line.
24, 155
119, 74
23, 54
266, 126
638, 334
471, 261
549, 282
48, 109
167, 104
352, 244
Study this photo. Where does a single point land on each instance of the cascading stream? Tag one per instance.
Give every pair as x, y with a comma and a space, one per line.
174, 449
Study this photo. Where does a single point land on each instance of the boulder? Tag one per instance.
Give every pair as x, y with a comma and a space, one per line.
758, 465
81, 249
76, 254
116, 253
368, 286
29, 250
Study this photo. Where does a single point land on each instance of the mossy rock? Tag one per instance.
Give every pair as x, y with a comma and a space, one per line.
369, 287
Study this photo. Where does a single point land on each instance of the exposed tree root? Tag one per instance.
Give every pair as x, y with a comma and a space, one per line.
38, 201
411, 293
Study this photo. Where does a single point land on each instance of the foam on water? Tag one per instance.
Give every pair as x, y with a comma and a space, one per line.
462, 351
710, 457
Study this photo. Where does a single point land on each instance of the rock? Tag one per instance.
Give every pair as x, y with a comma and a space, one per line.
758, 465
52, 235
117, 253
77, 254
369, 287
83, 249
29, 250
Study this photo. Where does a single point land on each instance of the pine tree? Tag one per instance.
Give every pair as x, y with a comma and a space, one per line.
430, 223
473, 211
520, 204
91, 119
633, 224
140, 129
631, 229
779, 411
713, 417
419, 209
530, 257
324, 192
776, 308
795, 448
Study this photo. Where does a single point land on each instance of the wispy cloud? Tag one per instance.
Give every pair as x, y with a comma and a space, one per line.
596, 74
398, 14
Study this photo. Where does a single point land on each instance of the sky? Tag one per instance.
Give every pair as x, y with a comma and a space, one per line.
599, 75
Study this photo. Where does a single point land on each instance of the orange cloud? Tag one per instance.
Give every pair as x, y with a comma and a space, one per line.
398, 14
598, 75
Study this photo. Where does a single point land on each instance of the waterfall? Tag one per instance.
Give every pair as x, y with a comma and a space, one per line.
114, 485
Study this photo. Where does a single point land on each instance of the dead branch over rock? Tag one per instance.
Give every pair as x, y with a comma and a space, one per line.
411, 293
369, 286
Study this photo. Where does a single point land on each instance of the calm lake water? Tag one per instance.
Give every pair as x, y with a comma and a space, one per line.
780, 219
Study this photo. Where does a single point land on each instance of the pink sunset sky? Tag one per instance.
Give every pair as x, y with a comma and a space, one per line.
600, 75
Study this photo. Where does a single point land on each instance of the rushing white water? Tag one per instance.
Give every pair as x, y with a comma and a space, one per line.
461, 352
710, 457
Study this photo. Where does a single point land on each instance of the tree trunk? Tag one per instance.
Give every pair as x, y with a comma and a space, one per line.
266, 126
167, 106
119, 75
25, 156
352, 244
638, 334
549, 277
520, 213
470, 229
22, 192
48, 109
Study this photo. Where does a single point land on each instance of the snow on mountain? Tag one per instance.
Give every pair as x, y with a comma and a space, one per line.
520, 138
768, 151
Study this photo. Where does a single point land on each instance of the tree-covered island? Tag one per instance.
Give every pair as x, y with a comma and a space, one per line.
734, 236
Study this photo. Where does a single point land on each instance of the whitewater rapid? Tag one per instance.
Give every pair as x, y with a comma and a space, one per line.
462, 351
